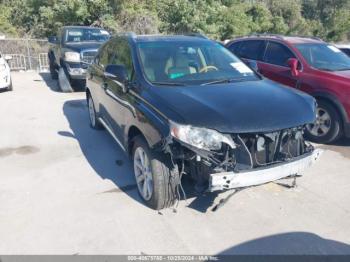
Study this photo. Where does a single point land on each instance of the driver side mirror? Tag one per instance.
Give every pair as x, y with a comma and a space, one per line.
253, 65
53, 40
293, 64
118, 74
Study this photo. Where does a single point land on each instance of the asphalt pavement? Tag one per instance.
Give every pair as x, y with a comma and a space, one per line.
68, 189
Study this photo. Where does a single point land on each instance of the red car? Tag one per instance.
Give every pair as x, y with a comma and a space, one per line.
310, 65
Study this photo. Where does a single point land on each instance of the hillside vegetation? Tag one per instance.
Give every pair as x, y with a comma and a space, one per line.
219, 19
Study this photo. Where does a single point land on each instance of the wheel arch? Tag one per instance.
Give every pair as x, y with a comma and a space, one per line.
133, 132
335, 103
88, 93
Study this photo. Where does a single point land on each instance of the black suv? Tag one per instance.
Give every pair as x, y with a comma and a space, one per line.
182, 105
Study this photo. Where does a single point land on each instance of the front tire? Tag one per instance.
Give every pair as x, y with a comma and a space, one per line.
53, 72
156, 178
327, 128
10, 88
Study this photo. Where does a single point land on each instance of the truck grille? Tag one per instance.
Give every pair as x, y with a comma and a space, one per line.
88, 56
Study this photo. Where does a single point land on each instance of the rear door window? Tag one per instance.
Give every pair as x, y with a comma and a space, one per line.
277, 54
346, 50
251, 49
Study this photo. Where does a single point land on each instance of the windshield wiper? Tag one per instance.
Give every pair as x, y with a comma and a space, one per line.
222, 81
168, 83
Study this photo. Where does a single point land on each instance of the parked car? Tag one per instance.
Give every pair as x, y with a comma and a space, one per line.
5, 74
185, 105
73, 49
345, 48
310, 65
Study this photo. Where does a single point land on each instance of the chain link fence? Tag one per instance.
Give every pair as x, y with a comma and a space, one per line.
27, 54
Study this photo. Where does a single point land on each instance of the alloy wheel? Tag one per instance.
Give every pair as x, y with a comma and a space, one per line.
143, 173
92, 112
322, 124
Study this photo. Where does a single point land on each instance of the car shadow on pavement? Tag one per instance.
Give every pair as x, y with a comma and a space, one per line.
291, 243
103, 154
54, 85
342, 142
51, 83
110, 162
341, 146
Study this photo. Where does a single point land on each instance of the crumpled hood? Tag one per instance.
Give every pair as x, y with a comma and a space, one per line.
81, 46
243, 107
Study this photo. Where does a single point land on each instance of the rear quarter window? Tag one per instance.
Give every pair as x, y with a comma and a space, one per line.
234, 47
346, 51
251, 49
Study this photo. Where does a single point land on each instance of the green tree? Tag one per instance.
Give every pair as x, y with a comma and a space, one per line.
218, 19
261, 18
5, 26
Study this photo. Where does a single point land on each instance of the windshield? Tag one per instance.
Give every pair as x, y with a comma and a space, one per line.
324, 57
191, 62
86, 34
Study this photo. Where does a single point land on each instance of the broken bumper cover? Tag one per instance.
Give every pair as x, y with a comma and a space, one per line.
229, 180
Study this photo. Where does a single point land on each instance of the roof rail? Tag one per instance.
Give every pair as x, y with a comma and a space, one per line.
196, 35
263, 35
278, 36
305, 36
128, 34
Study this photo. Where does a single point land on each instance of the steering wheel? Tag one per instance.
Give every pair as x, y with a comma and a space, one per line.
207, 68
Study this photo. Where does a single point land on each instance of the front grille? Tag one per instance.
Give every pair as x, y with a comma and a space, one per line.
257, 150
88, 56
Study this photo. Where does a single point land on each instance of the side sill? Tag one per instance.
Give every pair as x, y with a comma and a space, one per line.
111, 133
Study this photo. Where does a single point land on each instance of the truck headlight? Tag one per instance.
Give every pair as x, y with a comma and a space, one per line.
72, 57
202, 138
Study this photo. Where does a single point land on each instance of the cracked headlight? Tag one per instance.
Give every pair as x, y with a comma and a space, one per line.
72, 57
202, 138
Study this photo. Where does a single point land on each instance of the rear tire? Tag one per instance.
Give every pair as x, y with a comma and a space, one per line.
163, 180
328, 125
94, 122
10, 88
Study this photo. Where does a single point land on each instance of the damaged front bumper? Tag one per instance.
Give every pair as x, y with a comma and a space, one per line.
262, 175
